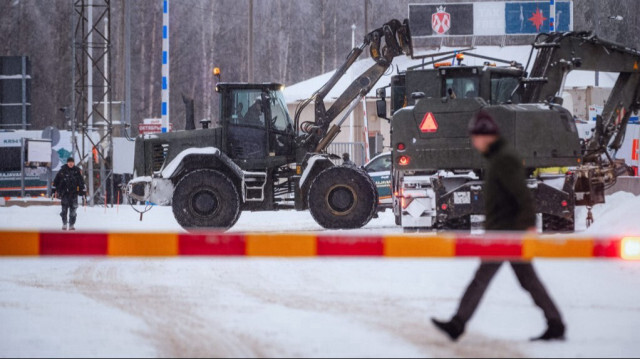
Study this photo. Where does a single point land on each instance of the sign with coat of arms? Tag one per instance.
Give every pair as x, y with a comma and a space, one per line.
489, 18
441, 21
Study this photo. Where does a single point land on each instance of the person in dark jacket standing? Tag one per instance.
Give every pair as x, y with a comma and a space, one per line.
68, 184
508, 207
346, 161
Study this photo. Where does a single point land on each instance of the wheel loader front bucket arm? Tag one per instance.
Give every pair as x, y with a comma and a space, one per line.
397, 40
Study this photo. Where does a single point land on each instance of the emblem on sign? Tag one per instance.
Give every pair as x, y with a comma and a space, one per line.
440, 20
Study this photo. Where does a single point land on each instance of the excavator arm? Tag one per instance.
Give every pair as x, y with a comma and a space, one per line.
560, 53
318, 134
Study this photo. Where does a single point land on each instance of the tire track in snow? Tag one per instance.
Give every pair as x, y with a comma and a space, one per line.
394, 315
175, 325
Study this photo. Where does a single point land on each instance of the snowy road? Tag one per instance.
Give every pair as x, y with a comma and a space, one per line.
255, 307
615, 215
308, 307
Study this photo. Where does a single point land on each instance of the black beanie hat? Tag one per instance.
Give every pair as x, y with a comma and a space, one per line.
70, 159
482, 123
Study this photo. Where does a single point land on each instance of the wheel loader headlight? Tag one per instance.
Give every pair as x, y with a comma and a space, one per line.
630, 248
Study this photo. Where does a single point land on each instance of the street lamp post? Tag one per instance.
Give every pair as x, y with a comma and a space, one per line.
351, 119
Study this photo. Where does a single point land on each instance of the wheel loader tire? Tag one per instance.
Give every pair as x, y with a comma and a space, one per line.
342, 197
551, 223
206, 199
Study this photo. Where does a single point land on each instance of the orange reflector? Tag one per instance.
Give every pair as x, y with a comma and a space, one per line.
429, 123
444, 63
630, 248
405, 202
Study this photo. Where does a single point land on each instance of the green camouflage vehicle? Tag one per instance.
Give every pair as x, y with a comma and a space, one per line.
259, 158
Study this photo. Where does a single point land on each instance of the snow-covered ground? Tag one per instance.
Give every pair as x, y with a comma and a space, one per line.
616, 215
301, 307
192, 307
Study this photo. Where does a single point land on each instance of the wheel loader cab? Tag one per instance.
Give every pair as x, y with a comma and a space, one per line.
496, 85
259, 130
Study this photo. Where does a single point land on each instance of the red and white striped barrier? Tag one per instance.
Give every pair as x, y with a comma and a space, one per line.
499, 246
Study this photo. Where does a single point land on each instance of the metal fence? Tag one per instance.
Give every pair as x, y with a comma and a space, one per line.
354, 149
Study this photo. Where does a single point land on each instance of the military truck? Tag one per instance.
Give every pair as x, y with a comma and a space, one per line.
437, 176
259, 159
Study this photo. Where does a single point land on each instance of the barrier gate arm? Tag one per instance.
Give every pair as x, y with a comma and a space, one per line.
499, 246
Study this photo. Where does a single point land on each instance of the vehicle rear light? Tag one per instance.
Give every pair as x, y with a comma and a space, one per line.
630, 248
444, 206
564, 203
400, 147
403, 160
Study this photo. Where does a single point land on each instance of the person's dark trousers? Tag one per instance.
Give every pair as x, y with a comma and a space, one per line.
69, 205
528, 280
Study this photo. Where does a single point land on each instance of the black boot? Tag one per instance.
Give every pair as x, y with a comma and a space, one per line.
453, 328
555, 331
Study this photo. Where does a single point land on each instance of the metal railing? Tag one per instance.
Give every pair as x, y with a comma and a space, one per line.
354, 149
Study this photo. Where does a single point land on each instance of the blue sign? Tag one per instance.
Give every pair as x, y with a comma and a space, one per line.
533, 17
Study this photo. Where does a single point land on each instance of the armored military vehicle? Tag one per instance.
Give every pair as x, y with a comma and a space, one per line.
258, 158
437, 176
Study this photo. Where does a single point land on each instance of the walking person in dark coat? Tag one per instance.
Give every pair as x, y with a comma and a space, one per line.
68, 184
508, 207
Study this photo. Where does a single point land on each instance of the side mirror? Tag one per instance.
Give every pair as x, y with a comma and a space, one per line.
381, 109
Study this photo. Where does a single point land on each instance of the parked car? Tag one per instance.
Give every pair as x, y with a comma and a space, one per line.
379, 168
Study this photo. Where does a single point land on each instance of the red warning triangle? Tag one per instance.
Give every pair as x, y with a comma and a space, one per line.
429, 123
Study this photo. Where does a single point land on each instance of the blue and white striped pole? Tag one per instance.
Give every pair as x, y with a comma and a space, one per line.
165, 65
552, 15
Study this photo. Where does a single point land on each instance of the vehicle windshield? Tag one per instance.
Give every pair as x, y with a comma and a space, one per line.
501, 89
463, 86
279, 112
382, 163
246, 108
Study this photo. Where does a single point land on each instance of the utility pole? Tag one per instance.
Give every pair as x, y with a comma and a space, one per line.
165, 67
250, 50
127, 62
597, 12
366, 17
89, 124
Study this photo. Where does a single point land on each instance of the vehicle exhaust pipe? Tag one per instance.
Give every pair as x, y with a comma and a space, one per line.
189, 110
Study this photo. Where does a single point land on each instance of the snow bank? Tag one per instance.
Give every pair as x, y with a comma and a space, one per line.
619, 214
